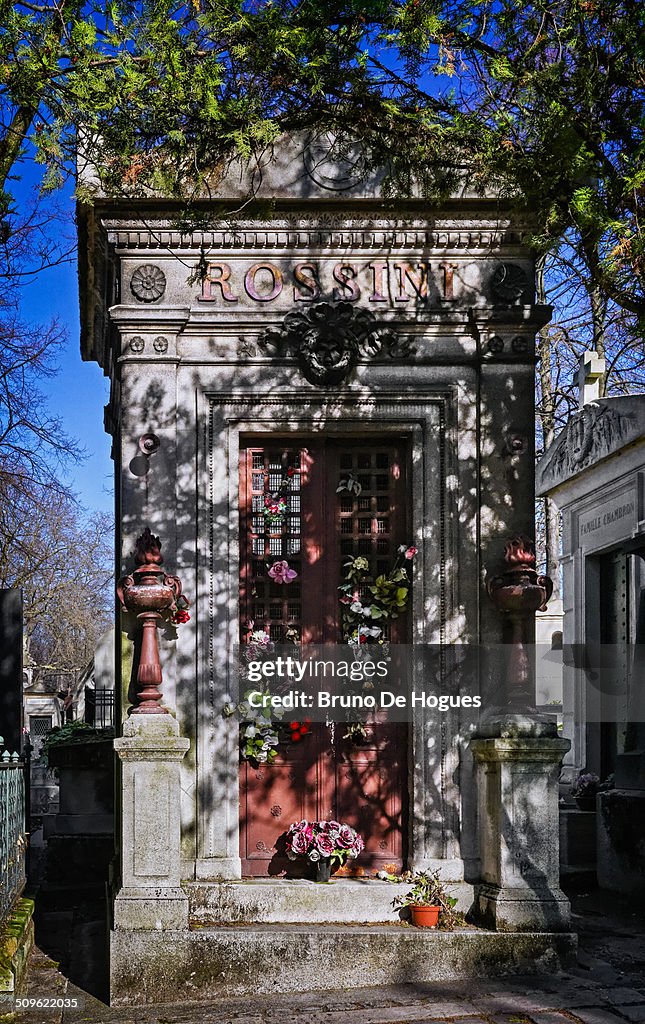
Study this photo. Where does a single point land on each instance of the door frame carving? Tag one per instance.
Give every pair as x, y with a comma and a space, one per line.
427, 418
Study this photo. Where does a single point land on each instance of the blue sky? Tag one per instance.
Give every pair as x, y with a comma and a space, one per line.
79, 391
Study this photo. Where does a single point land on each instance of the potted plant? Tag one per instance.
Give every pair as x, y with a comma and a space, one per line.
429, 902
326, 844
584, 791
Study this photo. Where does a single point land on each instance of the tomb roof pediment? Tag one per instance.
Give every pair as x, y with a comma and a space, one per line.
593, 434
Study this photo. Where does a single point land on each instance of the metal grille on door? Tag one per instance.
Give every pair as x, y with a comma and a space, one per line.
272, 606
323, 524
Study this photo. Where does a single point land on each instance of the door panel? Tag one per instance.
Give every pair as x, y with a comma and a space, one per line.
325, 775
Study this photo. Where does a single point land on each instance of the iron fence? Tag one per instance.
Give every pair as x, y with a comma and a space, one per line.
12, 831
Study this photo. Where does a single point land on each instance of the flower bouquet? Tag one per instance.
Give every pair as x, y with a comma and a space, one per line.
275, 507
322, 842
584, 790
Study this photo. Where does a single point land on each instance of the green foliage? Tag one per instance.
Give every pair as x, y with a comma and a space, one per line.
362, 620
542, 100
259, 735
72, 732
429, 891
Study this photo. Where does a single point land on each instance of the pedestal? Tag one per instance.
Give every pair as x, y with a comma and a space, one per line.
518, 823
151, 896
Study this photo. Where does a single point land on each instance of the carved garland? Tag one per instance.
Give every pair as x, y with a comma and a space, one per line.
328, 340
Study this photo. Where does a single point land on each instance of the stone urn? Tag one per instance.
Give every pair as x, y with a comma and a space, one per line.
518, 592
149, 593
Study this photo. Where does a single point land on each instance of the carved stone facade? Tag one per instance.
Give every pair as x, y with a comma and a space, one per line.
328, 340
328, 318
596, 431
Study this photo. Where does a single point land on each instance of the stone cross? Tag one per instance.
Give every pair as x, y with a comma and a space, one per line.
590, 373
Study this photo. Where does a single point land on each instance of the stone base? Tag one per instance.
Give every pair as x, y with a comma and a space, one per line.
522, 910
293, 901
16, 941
620, 824
213, 963
159, 909
217, 868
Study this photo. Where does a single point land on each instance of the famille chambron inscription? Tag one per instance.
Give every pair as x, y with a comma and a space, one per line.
611, 517
377, 281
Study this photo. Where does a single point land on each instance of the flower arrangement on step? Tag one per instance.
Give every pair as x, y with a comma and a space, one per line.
363, 619
326, 844
430, 904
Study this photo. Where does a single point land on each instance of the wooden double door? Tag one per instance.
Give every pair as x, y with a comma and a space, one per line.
325, 775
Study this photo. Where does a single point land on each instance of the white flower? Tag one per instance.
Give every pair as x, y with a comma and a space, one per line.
374, 631
356, 607
313, 855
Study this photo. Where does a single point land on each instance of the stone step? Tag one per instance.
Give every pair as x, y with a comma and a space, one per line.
293, 901
212, 963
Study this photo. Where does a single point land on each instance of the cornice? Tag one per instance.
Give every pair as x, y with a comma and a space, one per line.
328, 232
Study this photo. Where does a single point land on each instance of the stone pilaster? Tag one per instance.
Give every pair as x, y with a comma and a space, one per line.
150, 896
519, 837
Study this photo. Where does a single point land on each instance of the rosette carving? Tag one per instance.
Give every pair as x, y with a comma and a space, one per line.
148, 283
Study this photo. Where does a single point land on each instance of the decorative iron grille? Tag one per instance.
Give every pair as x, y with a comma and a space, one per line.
99, 707
12, 831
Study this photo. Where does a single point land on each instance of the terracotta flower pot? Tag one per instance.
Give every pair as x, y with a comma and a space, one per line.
425, 917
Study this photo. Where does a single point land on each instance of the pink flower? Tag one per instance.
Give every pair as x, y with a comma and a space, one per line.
300, 842
411, 552
281, 573
346, 837
357, 847
299, 826
325, 844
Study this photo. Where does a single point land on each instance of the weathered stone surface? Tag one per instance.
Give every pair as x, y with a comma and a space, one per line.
150, 896
596, 1016
599, 430
620, 830
273, 901
577, 840
16, 942
519, 838
228, 961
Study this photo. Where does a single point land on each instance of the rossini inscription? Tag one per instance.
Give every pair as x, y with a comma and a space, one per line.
379, 281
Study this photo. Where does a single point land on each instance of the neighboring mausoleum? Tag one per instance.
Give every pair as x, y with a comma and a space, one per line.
595, 473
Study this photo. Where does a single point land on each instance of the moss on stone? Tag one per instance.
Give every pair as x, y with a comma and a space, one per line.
16, 940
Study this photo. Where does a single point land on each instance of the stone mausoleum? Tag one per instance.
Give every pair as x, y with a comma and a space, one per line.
595, 473
301, 333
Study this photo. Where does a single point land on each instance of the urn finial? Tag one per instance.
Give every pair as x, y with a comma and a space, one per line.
149, 592
147, 549
517, 591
